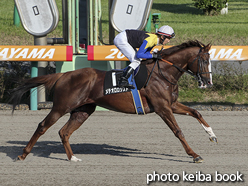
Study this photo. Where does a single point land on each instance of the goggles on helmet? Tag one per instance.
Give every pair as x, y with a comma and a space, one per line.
167, 35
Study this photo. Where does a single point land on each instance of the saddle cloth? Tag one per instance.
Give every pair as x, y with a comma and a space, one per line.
138, 81
112, 77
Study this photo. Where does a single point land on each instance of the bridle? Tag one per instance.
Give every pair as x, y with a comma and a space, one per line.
197, 76
199, 67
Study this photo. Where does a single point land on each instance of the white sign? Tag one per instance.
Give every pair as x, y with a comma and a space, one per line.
38, 17
130, 14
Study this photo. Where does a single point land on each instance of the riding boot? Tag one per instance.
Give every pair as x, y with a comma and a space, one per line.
123, 81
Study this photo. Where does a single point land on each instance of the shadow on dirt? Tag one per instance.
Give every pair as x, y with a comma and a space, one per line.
46, 148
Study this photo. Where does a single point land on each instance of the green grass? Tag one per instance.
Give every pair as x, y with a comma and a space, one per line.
188, 22
232, 88
13, 35
208, 95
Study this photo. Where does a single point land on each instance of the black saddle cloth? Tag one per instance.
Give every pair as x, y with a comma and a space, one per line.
112, 77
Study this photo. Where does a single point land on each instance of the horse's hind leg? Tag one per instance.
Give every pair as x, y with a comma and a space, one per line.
77, 118
50, 119
179, 108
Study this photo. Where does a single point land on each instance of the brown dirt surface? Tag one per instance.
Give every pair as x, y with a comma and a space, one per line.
121, 149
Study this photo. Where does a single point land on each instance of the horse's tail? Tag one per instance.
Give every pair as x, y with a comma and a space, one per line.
47, 80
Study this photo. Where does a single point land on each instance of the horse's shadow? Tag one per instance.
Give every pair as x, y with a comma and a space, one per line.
46, 148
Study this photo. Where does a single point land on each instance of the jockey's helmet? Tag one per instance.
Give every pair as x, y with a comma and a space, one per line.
166, 31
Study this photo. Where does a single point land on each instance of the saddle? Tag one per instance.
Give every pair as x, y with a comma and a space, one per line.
138, 79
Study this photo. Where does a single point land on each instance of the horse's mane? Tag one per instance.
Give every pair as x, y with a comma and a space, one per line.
174, 49
177, 48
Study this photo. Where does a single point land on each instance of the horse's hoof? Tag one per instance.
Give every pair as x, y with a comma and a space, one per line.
198, 159
75, 159
213, 139
19, 158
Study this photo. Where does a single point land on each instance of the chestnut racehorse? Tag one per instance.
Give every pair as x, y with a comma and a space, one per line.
79, 92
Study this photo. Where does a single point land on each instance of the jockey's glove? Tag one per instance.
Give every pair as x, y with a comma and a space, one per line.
156, 56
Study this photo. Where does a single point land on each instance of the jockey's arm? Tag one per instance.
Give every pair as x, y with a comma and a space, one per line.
144, 51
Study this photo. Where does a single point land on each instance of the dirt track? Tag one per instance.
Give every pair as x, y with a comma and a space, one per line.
120, 149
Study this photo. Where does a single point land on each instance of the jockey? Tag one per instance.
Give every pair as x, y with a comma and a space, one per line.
127, 41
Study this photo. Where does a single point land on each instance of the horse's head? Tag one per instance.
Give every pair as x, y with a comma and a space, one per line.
201, 67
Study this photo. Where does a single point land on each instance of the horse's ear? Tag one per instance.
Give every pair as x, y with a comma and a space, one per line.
208, 47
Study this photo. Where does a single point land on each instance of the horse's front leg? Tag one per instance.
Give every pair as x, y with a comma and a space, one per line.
168, 117
179, 108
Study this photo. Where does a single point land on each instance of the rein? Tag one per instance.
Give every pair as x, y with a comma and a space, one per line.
181, 69
157, 62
